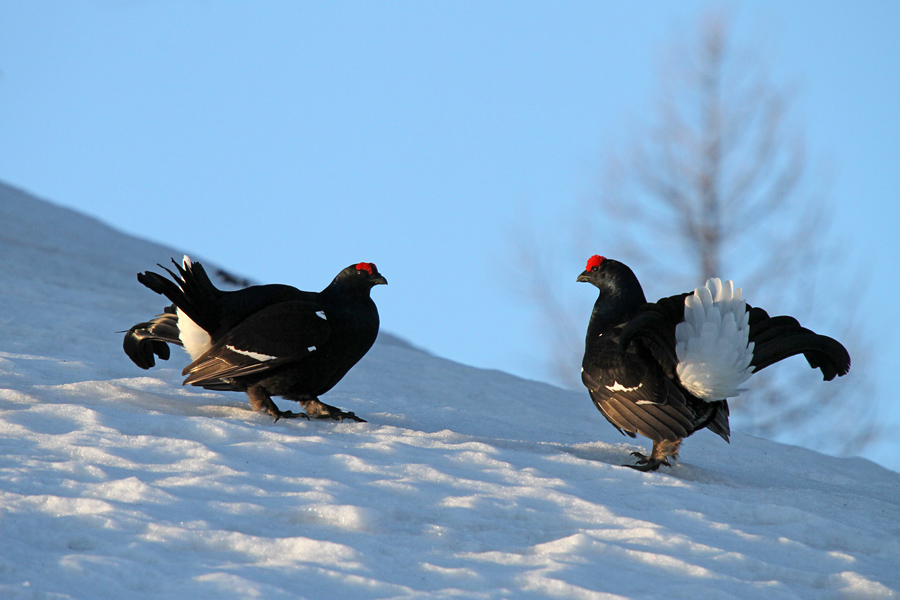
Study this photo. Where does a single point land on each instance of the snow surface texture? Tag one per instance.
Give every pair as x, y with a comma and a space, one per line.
119, 483
712, 343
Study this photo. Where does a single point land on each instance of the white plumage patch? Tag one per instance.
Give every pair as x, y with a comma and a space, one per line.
194, 338
618, 387
712, 343
321, 314
254, 355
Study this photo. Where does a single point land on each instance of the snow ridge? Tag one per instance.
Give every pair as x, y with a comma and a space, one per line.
712, 343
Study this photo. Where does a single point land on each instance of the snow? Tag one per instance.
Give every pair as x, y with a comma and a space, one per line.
464, 483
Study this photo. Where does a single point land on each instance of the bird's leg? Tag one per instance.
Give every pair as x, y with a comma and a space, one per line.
316, 409
262, 402
660, 454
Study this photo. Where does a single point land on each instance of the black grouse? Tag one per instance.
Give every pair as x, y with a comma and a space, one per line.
265, 340
665, 369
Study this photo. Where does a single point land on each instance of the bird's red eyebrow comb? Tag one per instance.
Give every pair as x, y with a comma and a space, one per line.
594, 261
364, 266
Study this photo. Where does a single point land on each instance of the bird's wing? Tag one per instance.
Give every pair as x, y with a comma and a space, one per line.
653, 325
637, 398
283, 333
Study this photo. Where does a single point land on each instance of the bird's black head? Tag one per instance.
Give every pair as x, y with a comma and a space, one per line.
614, 280
362, 275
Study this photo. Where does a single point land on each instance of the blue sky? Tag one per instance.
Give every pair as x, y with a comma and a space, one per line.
288, 140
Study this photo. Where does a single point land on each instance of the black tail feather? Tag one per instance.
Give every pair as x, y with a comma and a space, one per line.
777, 338
719, 423
146, 340
190, 290
163, 286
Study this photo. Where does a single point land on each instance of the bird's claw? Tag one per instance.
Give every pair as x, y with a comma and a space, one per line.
337, 414
647, 463
348, 415
316, 409
286, 414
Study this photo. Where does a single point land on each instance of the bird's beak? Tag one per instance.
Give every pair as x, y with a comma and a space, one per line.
584, 276
379, 279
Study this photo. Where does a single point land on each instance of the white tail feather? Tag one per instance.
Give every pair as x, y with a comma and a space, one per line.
193, 337
712, 343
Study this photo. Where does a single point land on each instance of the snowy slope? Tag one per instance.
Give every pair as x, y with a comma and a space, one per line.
465, 483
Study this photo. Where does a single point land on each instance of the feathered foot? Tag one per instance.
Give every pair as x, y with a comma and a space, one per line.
316, 409
262, 402
660, 454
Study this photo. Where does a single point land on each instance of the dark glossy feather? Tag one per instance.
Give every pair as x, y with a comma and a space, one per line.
630, 364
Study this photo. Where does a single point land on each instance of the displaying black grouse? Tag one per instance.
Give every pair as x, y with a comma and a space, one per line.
265, 340
665, 369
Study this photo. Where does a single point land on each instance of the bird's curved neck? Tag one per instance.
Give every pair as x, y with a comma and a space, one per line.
613, 306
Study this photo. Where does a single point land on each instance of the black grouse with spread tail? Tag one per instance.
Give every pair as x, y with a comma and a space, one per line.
665, 369
265, 340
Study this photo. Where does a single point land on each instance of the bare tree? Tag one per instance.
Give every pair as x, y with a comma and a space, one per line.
716, 186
